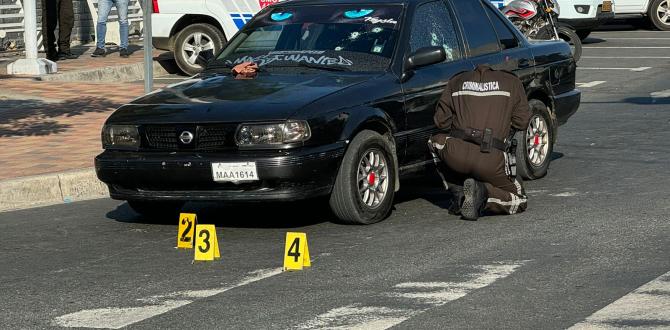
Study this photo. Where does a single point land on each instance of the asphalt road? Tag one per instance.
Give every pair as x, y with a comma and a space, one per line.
591, 251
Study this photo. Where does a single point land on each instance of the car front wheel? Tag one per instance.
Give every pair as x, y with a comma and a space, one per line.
536, 143
364, 187
659, 13
191, 41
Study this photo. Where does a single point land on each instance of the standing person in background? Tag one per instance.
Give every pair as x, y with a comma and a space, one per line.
104, 7
57, 13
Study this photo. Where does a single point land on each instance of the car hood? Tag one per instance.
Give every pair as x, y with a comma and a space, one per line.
225, 99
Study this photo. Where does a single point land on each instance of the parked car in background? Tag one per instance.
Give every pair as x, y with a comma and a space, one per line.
657, 12
582, 16
189, 27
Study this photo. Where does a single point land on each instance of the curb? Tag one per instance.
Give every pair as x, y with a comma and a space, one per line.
128, 72
50, 189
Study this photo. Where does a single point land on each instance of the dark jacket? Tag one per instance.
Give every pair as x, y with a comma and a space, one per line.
483, 98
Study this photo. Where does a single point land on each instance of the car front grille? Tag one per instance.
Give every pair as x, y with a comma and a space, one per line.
211, 137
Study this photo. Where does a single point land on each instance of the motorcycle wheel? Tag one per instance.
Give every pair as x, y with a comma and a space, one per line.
570, 36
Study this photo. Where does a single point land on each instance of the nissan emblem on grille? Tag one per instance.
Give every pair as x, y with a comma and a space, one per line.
186, 137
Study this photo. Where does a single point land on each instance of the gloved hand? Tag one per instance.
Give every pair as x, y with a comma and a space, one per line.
246, 70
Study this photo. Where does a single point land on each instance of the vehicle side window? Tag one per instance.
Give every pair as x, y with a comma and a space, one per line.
433, 26
479, 33
505, 35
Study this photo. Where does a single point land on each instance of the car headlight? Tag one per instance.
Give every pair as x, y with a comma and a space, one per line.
120, 137
272, 134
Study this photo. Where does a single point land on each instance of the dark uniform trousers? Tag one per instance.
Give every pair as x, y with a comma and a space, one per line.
482, 99
57, 13
465, 160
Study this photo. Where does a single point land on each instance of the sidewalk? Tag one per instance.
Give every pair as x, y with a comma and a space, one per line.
49, 127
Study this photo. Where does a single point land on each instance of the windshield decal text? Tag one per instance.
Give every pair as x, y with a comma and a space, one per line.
297, 57
377, 20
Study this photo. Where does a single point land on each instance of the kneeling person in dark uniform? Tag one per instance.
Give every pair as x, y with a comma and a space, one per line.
478, 111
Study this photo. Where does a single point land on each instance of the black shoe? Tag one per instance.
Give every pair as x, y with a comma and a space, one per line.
456, 201
99, 52
67, 56
52, 57
123, 52
475, 199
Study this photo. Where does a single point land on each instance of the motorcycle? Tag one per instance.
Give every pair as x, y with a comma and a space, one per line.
537, 19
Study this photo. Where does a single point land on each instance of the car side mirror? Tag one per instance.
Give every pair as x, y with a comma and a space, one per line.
204, 57
423, 57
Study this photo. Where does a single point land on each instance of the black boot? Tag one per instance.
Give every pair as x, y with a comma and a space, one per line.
457, 199
475, 199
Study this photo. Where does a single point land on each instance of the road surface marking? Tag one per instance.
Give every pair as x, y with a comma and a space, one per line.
660, 94
638, 69
630, 57
119, 317
646, 307
420, 296
591, 84
641, 47
631, 38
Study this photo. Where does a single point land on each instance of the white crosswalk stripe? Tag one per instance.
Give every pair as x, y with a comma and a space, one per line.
415, 297
590, 84
647, 307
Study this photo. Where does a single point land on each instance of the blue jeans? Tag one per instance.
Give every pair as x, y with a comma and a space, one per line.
104, 7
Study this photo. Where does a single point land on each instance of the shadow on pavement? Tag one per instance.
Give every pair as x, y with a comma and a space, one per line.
241, 215
640, 100
34, 117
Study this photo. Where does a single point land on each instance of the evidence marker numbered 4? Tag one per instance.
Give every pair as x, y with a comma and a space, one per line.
296, 252
234, 172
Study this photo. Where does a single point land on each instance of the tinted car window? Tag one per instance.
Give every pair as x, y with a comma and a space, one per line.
478, 30
351, 37
433, 26
505, 35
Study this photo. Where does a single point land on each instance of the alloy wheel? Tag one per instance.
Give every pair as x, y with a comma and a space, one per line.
537, 140
663, 12
194, 44
372, 178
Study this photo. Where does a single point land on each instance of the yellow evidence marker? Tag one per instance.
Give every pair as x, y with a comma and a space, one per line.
296, 252
206, 243
185, 233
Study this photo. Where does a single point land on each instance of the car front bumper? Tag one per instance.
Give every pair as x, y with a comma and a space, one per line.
283, 176
588, 23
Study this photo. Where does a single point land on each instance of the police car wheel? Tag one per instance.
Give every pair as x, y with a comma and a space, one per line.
536, 144
192, 40
659, 13
364, 187
156, 210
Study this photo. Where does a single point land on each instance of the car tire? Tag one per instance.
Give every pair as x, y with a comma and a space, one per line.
193, 39
156, 209
536, 144
353, 199
660, 19
583, 34
571, 37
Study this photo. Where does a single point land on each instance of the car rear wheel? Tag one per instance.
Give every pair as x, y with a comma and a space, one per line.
536, 143
191, 41
364, 187
659, 13
156, 209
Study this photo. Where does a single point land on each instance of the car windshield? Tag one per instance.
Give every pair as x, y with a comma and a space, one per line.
317, 37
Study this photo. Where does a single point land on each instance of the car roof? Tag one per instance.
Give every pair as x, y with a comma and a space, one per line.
348, 2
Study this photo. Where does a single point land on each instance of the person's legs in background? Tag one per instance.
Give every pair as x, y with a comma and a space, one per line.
49, 23
122, 9
65, 24
104, 7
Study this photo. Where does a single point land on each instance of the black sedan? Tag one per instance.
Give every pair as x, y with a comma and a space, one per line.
342, 105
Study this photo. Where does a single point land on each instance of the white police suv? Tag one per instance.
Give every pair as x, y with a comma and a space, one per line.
189, 27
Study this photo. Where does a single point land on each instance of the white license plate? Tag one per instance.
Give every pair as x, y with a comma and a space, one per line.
234, 172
